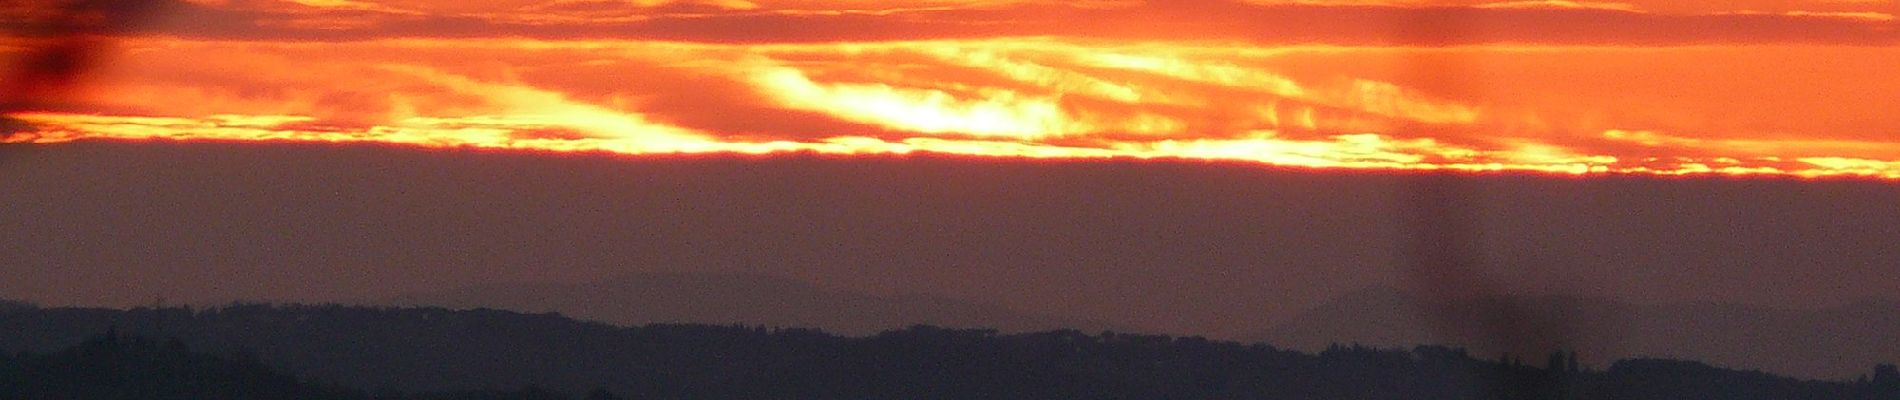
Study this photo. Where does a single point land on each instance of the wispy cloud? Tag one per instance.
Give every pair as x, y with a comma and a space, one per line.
1367, 23
1566, 109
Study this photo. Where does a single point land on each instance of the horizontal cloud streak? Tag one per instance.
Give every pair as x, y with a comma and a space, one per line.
1671, 110
1199, 20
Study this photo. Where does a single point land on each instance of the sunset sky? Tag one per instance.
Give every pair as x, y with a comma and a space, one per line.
1783, 87
1148, 164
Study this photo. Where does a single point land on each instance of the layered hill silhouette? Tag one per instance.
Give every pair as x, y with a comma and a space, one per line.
482, 353
720, 299
10, 305
1833, 342
111, 366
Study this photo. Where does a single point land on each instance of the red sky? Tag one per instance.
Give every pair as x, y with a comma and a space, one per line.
1745, 87
1646, 87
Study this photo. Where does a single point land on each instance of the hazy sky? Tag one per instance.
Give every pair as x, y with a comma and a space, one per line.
1139, 161
1177, 247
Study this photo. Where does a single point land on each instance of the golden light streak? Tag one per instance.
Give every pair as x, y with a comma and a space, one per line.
1390, 100
1205, 72
524, 106
1360, 151
1046, 76
995, 113
1868, 16
1560, 110
1561, 5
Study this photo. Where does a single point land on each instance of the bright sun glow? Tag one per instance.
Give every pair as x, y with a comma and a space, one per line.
1010, 79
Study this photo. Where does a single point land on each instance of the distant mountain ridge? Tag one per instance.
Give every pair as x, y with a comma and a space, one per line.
434, 349
639, 299
1836, 342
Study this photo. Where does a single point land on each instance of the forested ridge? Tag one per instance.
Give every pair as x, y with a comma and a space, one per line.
341, 352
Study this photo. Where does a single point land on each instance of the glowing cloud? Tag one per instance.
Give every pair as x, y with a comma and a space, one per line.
995, 113
1540, 86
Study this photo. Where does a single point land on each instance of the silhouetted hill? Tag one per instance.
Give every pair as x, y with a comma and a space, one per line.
10, 305
110, 366
113, 367
1834, 342
489, 351
420, 349
723, 299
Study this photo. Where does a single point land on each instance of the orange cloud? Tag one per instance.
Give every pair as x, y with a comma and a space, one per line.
1555, 109
1561, 5
1787, 88
737, 21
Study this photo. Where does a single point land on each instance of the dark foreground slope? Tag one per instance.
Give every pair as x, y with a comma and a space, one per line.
1836, 342
110, 366
436, 349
